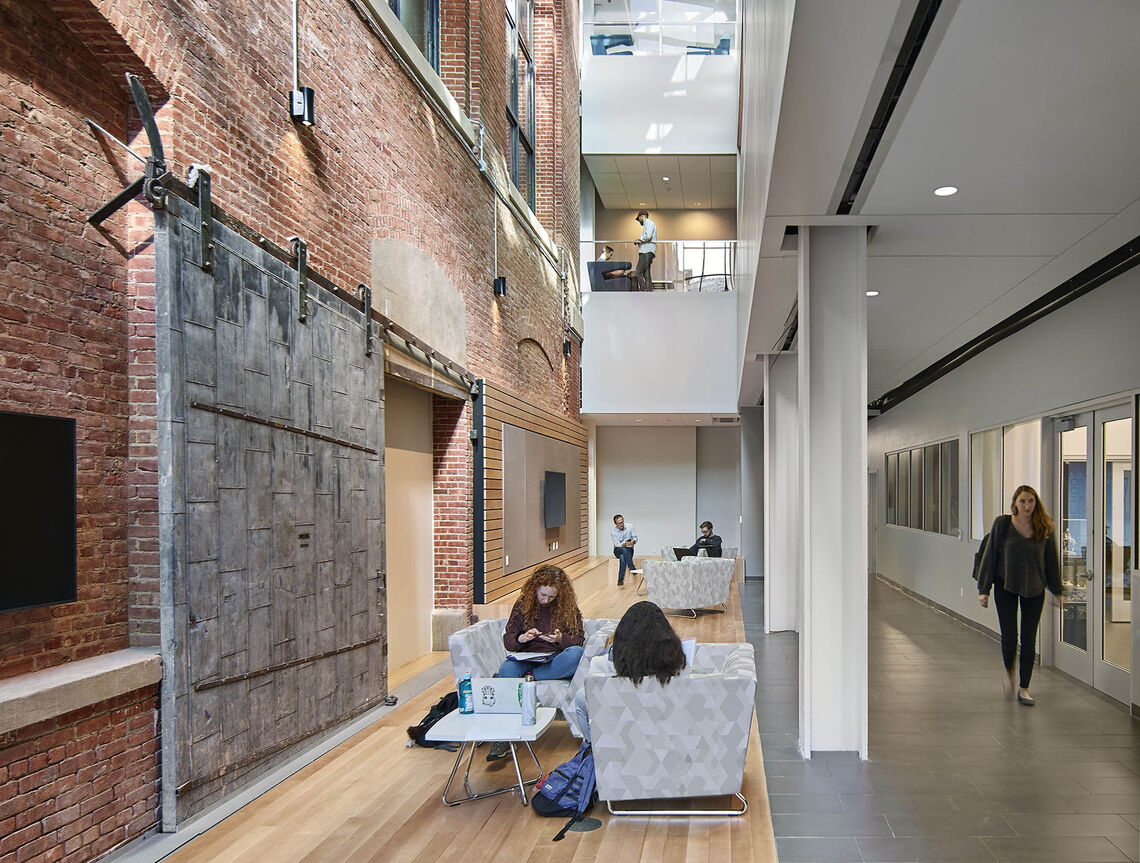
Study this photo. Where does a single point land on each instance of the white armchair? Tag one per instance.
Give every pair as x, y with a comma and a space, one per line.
478, 649
688, 738
701, 583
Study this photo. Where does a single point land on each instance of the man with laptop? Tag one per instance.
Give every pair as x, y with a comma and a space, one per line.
708, 540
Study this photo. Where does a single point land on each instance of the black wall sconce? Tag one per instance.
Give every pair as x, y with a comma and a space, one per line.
567, 348
302, 100
500, 286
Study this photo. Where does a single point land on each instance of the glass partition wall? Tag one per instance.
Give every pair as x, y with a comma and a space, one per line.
659, 27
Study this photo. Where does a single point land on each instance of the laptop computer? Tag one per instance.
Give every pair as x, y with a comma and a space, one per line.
497, 694
683, 552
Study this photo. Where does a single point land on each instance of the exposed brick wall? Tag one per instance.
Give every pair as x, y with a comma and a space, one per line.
62, 318
76, 786
452, 500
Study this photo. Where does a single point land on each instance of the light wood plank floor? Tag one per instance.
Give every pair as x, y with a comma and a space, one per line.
372, 799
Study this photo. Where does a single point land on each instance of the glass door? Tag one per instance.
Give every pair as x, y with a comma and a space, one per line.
1094, 527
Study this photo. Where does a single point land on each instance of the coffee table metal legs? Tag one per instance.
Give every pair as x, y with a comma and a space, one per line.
520, 787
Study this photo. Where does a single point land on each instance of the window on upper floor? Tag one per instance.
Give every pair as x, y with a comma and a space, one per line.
421, 19
1001, 459
520, 96
665, 27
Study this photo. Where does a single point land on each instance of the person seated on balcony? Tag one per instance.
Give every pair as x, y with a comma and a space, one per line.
708, 540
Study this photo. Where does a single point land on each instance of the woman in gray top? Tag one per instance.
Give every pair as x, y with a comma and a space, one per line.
1019, 568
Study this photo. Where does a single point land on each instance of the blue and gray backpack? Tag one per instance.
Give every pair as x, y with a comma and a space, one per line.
570, 791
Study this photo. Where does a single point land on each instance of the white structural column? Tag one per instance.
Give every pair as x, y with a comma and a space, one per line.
833, 450
783, 561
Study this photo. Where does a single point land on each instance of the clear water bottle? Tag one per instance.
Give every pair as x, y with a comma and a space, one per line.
466, 702
529, 700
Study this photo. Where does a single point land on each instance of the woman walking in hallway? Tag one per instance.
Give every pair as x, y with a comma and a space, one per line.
1019, 567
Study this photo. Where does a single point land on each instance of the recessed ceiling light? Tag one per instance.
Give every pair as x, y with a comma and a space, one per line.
666, 179
639, 421
696, 421
946, 191
641, 203
872, 293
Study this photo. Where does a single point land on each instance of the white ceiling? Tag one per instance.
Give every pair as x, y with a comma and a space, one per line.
1030, 107
629, 182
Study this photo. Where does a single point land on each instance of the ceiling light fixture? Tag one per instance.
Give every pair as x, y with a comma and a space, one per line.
946, 191
666, 179
872, 293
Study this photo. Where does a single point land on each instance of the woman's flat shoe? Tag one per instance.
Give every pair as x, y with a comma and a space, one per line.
1023, 697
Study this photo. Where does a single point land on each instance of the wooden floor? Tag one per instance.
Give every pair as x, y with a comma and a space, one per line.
374, 799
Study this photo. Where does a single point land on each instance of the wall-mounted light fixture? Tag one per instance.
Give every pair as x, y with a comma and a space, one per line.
567, 348
302, 100
500, 286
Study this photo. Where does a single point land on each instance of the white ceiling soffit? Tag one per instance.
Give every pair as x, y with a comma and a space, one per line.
666, 420
696, 182
1029, 107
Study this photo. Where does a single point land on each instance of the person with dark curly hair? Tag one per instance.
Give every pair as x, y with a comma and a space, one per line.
643, 646
1019, 571
545, 619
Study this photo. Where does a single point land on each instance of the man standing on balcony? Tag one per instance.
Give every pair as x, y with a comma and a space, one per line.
646, 251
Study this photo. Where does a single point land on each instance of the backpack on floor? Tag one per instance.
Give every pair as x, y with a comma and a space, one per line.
441, 708
570, 791
999, 539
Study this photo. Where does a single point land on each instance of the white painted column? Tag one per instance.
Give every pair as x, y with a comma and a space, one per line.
783, 562
833, 446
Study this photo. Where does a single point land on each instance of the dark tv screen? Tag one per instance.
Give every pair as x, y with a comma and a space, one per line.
554, 499
37, 510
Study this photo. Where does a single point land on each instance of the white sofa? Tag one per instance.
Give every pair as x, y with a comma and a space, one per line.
690, 583
478, 649
688, 738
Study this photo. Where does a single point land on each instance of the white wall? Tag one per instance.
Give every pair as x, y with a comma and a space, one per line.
1084, 351
408, 505
718, 482
660, 105
659, 353
752, 481
783, 591
649, 475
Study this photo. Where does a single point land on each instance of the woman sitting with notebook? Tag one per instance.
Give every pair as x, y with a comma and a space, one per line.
545, 621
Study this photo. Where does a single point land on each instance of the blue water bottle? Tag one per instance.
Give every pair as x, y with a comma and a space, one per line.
466, 702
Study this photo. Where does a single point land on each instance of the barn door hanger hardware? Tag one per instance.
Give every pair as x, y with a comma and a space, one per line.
154, 165
366, 307
301, 265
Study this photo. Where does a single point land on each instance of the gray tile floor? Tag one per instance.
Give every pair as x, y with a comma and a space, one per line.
956, 772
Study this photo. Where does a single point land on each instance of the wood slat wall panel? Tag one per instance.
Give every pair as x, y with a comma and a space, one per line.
499, 407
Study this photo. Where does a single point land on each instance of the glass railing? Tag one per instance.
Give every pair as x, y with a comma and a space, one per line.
659, 27
683, 265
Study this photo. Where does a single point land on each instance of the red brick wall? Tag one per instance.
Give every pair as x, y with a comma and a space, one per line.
74, 787
452, 470
62, 318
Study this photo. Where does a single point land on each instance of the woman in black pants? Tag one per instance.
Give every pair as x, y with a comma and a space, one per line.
1019, 567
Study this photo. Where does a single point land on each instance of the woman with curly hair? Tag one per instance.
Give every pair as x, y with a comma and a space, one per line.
1019, 568
643, 645
545, 619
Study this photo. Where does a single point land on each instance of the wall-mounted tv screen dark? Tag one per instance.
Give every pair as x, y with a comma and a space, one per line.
37, 510
554, 499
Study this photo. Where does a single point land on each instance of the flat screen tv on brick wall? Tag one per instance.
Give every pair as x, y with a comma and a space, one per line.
37, 510
554, 499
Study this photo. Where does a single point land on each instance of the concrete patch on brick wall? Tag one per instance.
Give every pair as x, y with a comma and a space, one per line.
410, 288
444, 623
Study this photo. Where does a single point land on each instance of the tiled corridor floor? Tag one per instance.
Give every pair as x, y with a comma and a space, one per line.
956, 772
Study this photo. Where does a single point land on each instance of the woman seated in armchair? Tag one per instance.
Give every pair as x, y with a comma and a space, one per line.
643, 645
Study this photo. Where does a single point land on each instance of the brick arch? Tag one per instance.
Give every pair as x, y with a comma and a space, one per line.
537, 373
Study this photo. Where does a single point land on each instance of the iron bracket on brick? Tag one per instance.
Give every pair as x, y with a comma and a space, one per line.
301, 265
155, 176
366, 307
201, 177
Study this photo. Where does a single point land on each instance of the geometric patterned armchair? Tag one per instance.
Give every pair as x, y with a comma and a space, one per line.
478, 649
688, 738
703, 583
